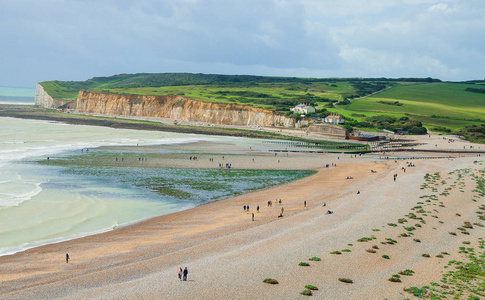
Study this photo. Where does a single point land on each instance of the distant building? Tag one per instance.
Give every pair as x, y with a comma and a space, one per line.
334, 119
302, 109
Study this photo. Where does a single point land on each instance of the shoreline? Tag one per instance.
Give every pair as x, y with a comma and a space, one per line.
154, 124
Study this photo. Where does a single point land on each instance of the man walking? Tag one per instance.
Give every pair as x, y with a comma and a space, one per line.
185, 273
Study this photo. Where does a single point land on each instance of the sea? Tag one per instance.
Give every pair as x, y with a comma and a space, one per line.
17, 96
42, 203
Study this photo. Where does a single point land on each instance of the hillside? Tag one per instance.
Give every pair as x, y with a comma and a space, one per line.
440, 106
275, 93
410, 103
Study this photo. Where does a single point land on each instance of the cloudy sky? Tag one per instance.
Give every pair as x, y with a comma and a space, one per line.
80, 39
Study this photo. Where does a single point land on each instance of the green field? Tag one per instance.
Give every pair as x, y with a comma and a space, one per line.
448, 100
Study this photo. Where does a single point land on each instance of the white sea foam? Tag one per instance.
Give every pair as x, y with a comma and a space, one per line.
8, 199
17, 102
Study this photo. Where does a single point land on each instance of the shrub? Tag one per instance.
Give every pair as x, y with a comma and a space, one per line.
346, 250
304, 264
311, 287
371, 250
425, 255
386, 256
270, 281
407, 272
395, 278
365, 239
417, 240
315, 258
306, 293
336, 252
346, 280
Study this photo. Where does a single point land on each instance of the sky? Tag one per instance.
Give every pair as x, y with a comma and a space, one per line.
81, 39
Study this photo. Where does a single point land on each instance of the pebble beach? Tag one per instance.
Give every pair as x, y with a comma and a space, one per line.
228, 255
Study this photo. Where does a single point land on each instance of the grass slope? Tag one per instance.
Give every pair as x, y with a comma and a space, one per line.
434, 104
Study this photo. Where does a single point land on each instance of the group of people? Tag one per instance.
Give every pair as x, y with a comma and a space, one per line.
183, 273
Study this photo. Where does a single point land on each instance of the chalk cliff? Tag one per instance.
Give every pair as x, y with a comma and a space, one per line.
43, 99
178, 108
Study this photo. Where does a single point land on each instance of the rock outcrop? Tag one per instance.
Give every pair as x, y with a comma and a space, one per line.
43, 99
178, 108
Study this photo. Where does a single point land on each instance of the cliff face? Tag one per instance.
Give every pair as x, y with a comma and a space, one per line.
178, 108
43, 99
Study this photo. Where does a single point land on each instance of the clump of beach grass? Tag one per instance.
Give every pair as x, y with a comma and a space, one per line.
386, 256
425, 255
336, 252
304, 264
346, 280
311, 287
315, 258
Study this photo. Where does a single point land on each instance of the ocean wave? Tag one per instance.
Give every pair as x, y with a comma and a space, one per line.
47, 241
9, 199
16, 103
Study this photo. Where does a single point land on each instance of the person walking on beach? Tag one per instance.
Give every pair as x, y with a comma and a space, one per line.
185, 273
253, 216
67, 258
180, 273
282, 210
257, 208
304, 203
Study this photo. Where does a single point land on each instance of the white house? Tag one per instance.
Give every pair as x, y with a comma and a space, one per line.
334, 119
303, 109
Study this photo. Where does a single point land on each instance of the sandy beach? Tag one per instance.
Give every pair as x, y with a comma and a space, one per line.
228, 255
